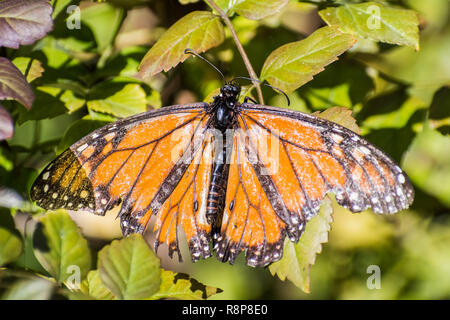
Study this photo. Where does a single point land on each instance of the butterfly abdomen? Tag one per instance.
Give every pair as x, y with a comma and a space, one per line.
217, 189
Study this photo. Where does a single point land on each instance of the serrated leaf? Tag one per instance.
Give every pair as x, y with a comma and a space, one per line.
298, 258
59, 245
182, 286
6, 124
129, 100
340, 115
129, 269
293, 64
24, 21
198, 30
376, 21
13, 84
31, 68
10, 246
256, 9
94, 287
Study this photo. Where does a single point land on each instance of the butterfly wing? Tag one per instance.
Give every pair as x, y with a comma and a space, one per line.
138, 160
295, 159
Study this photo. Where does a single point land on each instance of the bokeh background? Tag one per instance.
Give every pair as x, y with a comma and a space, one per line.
399, 97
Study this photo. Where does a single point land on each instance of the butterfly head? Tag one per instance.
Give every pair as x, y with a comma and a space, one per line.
230, 93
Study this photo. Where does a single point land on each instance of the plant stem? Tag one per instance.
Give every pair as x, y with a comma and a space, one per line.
240, 48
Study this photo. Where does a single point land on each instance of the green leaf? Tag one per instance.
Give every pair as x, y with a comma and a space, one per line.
129, 99
10, 246
256, 9
129, 269
182, 286
59, 246
30, 288
198, 30
31, 68
104, 21
376, 21
293, 64
298, 258
427, 163
94, 287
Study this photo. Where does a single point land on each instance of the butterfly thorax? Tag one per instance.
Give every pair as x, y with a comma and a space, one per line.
224, 110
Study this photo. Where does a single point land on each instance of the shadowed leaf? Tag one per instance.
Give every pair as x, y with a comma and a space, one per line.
13, 84
24, 21
376, 22
293, 64
129, 268
198, 30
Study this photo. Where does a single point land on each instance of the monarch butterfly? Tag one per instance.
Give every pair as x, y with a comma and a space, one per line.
209, 168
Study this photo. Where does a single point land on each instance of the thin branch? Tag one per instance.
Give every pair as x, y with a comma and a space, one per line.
240, 48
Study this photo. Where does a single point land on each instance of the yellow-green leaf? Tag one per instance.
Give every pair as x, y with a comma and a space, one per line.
256, 9
129, 100
342, 116
198, 30
31, 68
298, 258
376, 21
94, 287
10, 246
129, 269
182, 286
293, 64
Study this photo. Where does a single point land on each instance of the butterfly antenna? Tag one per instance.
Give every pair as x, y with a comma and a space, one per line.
268, 85
191, 51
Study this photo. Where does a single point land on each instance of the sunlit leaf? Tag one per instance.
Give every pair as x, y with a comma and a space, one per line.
129, 100
10, 246
60, 247
255, 9
129, 269
376, 21
298, 258
31, 68
13, 84
198, 30
293, 64
94, 287
24, 21
6, 124
342, 116
182, 286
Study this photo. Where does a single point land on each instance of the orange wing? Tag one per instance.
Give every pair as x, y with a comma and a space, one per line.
150, 162
294, 159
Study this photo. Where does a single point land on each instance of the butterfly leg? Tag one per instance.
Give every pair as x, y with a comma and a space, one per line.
247, 98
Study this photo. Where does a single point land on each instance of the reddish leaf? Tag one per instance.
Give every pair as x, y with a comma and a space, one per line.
6, 124
13, 84
24, 21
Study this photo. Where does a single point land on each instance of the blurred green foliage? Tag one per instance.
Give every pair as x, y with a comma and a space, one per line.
399, 96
